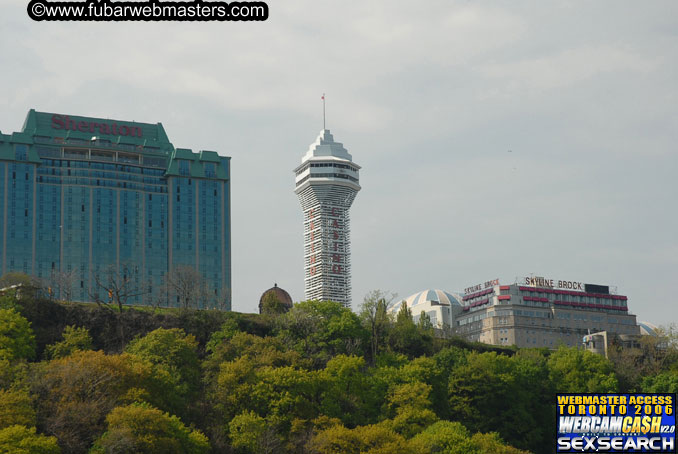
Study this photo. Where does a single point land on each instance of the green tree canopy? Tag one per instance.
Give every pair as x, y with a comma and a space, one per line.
75, 393
16, 408
446, 437
579, 371
16, 336
406, 337
509, 395
347, 392
666, 382
371, 439
252, 434
410, 409
19, 439
374, 315
141, 429
74, 339
322, 329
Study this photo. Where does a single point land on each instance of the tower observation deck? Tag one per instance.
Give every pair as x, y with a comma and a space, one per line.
326, 183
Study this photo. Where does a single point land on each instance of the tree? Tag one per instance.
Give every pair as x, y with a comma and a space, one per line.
19, 439
425, 324
16, 336
250, 433
9, 302
372, 439
140, 428
322, 329
61, 283
651, 356
188, 286
16, 408
282, 394
446, 437
491, 443
666, 382
346, 391
74, 394
119, 284
509, 395
410, 408
174, 353
579, 371
221, 299
405, 337
375, 318
74, 339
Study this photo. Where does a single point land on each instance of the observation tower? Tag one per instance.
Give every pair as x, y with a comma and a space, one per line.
327, 183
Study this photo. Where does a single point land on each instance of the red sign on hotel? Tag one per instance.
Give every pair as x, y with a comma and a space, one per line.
66, 123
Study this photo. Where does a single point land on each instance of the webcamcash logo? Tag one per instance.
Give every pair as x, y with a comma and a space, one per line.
616, 423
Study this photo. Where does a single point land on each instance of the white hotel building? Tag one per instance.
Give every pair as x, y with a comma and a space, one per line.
327, 183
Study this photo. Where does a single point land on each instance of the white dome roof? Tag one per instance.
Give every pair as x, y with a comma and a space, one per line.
440, 297
648, 329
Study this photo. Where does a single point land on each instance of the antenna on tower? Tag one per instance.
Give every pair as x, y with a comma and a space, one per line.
323, 98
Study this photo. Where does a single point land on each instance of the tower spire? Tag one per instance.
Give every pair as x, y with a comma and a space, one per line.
323, 98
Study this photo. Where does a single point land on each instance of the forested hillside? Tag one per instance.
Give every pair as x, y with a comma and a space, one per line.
318, 379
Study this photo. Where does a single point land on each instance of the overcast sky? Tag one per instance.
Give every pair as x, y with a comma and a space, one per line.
496, 139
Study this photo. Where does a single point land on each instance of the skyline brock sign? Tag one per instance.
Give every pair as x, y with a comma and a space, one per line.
112, 129
551, 283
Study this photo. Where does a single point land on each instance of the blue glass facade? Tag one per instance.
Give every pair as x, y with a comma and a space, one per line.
81, 196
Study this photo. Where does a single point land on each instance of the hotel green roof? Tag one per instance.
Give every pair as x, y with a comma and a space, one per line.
55, 129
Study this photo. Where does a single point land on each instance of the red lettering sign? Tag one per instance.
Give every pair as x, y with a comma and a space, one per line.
65, 122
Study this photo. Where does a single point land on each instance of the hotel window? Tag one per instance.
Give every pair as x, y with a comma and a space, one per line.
21, 152
184, 167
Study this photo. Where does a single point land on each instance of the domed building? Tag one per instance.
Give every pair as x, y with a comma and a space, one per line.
276, 297
648, 329
442, 307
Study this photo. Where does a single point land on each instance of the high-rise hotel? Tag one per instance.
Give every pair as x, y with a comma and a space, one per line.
79, 196
327, 183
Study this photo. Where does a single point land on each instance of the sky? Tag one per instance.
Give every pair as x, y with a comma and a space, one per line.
497, 139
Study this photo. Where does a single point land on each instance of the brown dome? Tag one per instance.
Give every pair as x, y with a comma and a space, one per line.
279, 294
